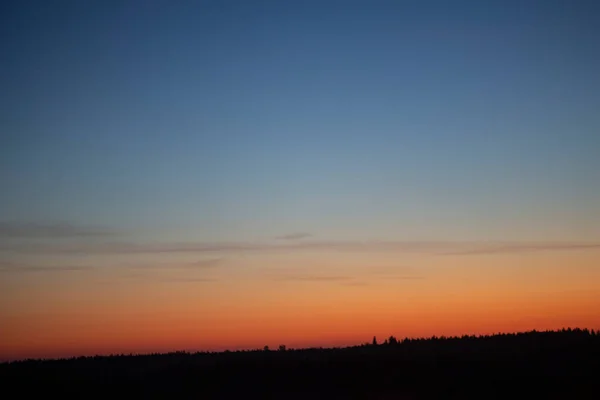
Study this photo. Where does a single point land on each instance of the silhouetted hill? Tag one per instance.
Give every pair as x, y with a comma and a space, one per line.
549, 365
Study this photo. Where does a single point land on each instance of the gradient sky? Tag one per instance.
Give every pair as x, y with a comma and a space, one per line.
209, 175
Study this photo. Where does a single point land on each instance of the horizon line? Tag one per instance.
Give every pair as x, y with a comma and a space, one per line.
400, 341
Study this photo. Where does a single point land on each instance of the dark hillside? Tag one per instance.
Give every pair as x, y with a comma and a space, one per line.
563, 364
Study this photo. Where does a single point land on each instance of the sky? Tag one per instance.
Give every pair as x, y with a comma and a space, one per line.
212, 175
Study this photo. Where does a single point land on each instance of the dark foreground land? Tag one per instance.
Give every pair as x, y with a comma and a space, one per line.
538, 365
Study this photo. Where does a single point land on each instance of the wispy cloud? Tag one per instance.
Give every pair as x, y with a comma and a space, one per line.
130, 247
16, 267
200, 264
142, 277
507, 248
316, 278
295, 236
53, 230
188, 280
11, 267
342, 279
422, 247
223, 247
205, 263
402, 277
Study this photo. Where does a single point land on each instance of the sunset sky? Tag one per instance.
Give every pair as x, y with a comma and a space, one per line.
208, 175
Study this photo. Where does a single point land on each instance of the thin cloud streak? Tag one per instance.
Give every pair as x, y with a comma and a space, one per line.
189, 280
316, 278
403, 278
56, 230
147, 277
12, 267
424, 247
128, 248
26, 268
295, 236
201, 264
204, 263
508, 248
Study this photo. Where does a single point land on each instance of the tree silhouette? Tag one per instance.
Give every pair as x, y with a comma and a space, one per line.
560, 364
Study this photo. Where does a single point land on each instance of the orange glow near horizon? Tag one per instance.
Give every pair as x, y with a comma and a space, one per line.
210, 176
450, 295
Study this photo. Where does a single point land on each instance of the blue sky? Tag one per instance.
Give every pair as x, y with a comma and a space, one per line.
347, 120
